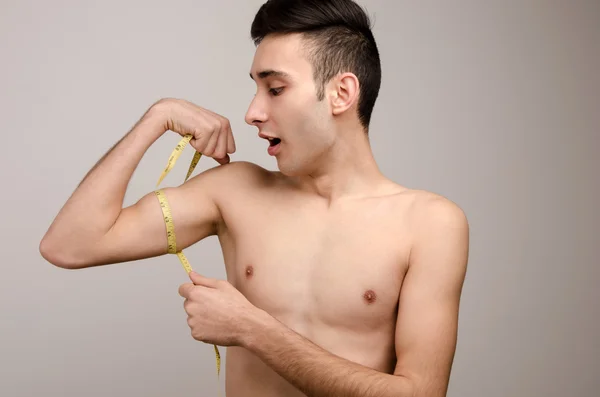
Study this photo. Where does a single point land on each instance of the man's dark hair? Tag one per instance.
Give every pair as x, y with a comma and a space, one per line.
339, 38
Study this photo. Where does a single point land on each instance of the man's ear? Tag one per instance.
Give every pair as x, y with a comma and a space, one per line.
344, 93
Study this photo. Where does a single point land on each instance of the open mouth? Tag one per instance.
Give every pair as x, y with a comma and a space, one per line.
274, 146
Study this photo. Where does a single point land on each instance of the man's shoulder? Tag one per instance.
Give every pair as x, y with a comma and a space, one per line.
440, 238
429, 209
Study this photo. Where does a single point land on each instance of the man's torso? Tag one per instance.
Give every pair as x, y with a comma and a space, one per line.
331, 273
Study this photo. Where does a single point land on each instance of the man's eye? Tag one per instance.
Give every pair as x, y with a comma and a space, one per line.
276, 91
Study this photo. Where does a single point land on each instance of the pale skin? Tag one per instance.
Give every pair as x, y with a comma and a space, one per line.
340, 282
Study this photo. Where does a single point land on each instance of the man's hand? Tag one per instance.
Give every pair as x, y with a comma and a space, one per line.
217, 312
211, 132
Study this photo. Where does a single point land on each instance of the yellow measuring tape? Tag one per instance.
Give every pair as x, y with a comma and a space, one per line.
168, 217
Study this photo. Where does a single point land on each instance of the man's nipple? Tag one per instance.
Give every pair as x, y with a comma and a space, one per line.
249, 271
370, 297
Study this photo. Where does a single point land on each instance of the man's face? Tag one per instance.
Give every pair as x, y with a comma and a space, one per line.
286, 106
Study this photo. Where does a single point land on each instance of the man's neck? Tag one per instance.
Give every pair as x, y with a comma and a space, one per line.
348, 171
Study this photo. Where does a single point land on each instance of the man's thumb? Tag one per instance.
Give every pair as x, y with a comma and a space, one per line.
199, 279
224, 160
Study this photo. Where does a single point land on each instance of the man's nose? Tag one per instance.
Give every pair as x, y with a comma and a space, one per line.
256, 113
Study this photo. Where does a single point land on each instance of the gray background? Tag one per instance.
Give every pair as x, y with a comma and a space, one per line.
493, 104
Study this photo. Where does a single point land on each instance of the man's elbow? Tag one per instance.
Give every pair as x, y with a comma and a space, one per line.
404, 387
414, 387
431, 390
58, 255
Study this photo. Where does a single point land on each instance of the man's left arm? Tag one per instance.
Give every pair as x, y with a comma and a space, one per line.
426, 326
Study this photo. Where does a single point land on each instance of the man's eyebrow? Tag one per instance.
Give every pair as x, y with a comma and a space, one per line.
270, 73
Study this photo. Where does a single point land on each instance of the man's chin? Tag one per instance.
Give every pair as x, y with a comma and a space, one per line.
290, 170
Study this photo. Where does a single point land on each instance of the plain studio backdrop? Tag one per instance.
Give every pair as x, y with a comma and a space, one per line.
495, 105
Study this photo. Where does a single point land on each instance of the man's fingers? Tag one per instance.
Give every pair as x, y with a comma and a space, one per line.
216, 147
221, 149
211, 144
230, 142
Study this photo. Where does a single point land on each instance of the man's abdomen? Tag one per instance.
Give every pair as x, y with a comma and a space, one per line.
248, 376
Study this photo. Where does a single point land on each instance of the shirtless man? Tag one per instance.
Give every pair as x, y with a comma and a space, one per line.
340, 282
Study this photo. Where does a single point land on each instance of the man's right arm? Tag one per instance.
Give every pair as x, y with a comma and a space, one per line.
93, 229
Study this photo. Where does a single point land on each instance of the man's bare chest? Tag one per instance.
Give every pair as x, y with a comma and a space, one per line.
341, 270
